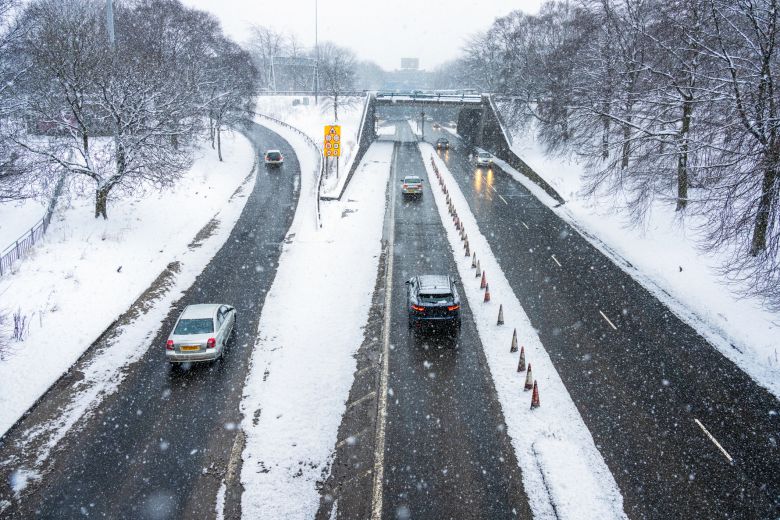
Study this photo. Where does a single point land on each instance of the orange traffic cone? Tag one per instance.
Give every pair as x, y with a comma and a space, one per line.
466, 245
521, 363
478, 270
529, 378
468, 253
474, 260
513, 348
500, 315
535, 397
483, 283
487, 293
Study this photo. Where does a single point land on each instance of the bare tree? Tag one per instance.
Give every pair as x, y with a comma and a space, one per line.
264, 44
116, 118
232, 89
337, 75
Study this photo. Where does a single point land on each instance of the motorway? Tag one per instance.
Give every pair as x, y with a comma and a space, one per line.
159, 445
447, 454
646, 384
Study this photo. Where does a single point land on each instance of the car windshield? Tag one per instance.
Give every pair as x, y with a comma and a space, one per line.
274, 156
194, 326
435, 297
484, 155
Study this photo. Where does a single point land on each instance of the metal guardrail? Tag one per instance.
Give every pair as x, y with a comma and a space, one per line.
362, 146
16, 251
319, 154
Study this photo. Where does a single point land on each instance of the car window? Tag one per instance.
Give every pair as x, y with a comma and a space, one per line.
484, 155
194, 326
435, 298
412, 180
220, 318
274, 156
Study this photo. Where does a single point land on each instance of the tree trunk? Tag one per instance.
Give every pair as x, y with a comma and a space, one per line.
766, 204
101, 202
211, 131
335, 107
682, 156
605, 137
626, 146
219, 142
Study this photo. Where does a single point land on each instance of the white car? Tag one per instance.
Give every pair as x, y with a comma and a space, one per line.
201, 333
274, 158
483, 159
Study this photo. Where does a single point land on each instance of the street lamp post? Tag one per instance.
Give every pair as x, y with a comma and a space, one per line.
317, 56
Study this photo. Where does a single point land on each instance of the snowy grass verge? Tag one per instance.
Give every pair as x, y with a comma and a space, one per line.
564, 474
683, 278
87, 272
310, 329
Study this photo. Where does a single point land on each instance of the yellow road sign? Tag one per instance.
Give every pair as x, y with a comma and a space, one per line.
332, 140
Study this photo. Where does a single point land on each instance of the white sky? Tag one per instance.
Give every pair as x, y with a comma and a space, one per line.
384, 32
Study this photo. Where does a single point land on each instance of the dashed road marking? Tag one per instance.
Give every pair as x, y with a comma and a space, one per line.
714, 441
605, 317
356, 402
526, 225
559, 264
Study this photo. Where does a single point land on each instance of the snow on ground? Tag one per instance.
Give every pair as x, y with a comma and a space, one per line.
564, 474
310, 329
311, 119
682, 276
17, 218
89, 271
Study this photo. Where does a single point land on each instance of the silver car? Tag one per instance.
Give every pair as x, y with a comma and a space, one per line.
483, 159
201, 333
412, 186
273, 158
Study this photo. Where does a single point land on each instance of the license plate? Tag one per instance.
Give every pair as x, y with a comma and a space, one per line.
190, 347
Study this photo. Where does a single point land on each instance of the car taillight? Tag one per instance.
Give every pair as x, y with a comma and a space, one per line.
405, 186
169, 345
417, 308
453, 307
211, 343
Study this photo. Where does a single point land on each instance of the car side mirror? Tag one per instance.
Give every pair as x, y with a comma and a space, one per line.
407, 282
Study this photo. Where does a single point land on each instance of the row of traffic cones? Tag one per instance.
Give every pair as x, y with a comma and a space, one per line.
530, 382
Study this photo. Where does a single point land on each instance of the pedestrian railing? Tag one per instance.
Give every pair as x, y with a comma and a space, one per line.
19, 248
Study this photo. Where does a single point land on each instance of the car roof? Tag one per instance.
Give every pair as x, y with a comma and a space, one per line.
412, 177
434, 283
200, 311
273, 151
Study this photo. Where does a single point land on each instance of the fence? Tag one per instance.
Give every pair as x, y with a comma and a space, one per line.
24, 243
316, 148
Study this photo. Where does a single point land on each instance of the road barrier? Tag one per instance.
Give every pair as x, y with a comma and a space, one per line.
513, 346
22, 245
529, 378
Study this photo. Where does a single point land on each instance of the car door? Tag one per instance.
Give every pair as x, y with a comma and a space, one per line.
221, 327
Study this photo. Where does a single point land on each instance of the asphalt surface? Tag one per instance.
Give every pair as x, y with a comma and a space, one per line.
447, 454
642, 385
158, 447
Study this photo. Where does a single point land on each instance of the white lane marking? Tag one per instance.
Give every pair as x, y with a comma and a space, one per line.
379, 443
605, 317
559, 264
714, 440
497, 193
526, 225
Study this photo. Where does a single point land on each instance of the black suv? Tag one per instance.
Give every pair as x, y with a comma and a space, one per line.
432, 299
442, 143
